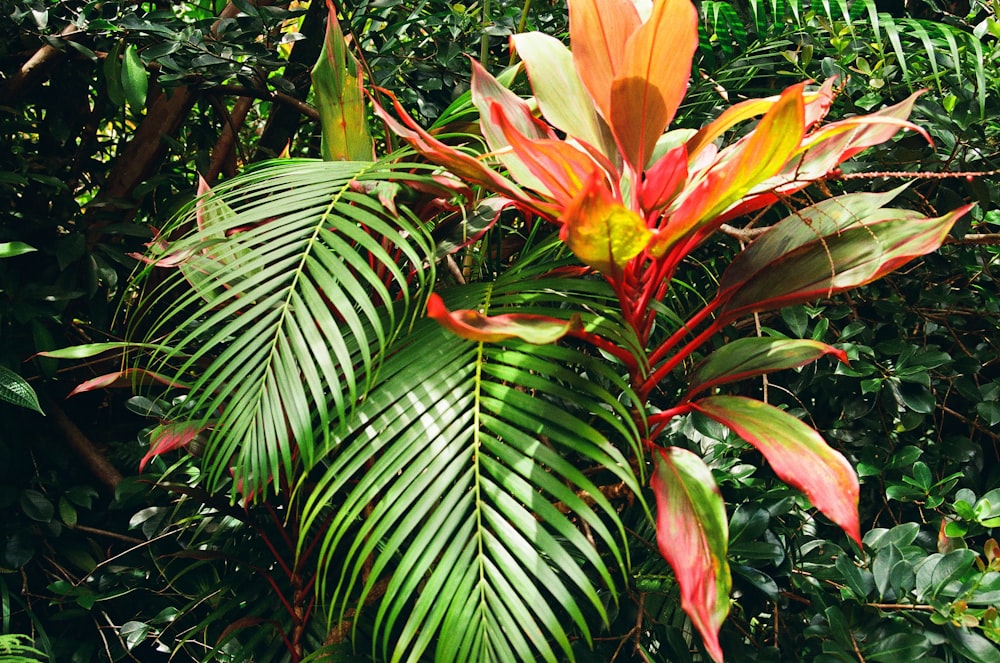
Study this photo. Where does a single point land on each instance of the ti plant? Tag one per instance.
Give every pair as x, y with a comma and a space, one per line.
455, 473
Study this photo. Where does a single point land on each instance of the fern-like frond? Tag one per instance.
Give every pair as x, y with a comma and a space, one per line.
292, 280
462, 485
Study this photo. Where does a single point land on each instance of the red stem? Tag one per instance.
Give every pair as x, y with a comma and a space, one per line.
658, 421
604, 344
672, 363
687, 328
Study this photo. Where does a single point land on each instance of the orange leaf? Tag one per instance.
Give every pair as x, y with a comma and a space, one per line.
558, 166
598, 32
652, 78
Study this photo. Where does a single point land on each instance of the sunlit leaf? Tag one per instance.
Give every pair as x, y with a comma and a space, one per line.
782, 273
796, 453
561, 96
653, 78
337, 82
693, 536
599, 31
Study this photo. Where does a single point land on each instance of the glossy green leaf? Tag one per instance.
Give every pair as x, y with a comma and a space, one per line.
135, 78
747, 357
693, 534
796, 453
15, 390
452, 481
12, 249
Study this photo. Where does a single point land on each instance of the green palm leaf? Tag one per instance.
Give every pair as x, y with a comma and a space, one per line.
286, 296
458, 482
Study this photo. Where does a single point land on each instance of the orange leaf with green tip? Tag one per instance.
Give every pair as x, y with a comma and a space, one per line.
692, 534
601, 231
652, 78
796, 453
475, 326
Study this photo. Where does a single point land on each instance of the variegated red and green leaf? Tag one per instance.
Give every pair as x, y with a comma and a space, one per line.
747, 357
797, 454
652, 79
692, 533
169, 436
475, 326
739, 168
831, 263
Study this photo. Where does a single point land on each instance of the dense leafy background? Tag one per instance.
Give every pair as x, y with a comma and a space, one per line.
100, 567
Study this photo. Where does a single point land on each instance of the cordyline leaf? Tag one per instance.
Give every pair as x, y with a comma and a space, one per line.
831, 263
121, 379
601, 231
598, 32
747, 357
465, 166
665, 179
167, 437
561, 96
557, 168
816, 106
494, 100
693, 536
340, 96
653, 78
796, 452
742, 166
475, 326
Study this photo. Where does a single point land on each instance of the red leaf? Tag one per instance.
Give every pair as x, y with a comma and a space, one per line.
167, 437
693, 536
121, 379
475, 326
796, 452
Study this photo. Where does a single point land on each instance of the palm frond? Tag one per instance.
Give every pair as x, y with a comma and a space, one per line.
293, 280
459, 481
